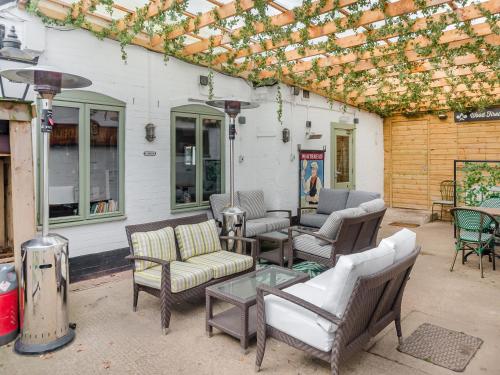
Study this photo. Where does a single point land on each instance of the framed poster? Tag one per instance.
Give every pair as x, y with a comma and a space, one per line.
311, 177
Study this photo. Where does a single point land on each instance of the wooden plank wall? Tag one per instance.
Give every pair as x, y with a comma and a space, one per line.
419, 154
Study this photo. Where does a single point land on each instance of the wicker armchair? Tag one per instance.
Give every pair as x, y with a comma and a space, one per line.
355, 235
167, 297
374, 303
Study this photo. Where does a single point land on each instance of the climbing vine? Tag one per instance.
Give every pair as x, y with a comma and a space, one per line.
396, 62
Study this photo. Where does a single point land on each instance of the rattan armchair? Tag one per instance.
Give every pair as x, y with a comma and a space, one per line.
373, 305
167, 297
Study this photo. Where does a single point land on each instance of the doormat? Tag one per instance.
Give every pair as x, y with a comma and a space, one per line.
402, 224
442, 347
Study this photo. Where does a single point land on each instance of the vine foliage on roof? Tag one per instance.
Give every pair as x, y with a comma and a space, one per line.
386, 57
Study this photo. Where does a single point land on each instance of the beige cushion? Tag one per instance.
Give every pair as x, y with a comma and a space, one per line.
156, 244
373, 206
197, 239
223, 263
252, 202
183, 276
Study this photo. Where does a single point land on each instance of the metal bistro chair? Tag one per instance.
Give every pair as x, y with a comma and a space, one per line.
493, 203
474, 233
446, 189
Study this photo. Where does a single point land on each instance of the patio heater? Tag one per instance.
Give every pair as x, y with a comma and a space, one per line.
233, 217
44, 273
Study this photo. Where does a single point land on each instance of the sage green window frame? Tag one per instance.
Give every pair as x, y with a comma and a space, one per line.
85, 101
198, 112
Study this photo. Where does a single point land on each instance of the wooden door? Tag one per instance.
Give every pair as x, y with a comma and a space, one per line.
409, 163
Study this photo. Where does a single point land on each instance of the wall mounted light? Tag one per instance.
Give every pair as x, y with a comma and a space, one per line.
442, 116
150, 132
285, 135
242, 120
204, 80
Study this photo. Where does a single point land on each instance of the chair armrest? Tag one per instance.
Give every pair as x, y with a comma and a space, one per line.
311, 233
251, 241
289, 212
297, 301
148, 259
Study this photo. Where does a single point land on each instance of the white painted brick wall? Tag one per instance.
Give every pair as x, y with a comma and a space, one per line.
151, 88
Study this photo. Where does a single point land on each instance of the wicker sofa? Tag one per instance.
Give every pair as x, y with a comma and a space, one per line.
335, 314
177, 280
331, 200
259, 220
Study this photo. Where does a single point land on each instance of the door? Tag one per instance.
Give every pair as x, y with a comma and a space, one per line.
342, 173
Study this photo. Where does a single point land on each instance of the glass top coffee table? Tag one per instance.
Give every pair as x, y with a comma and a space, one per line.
240, 320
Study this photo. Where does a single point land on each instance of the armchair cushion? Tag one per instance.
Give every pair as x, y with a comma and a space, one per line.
297, 321
272, 223
323, 280
373, 206
348, 269
313, 220
223, 263
155, 244
218, 202
183, 276
309, 244
402, 242
356, 197
332, 225
332, 200
197, 239
252, 202
253, 228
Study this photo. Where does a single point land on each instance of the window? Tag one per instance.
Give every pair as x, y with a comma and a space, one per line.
197, 158
86, 158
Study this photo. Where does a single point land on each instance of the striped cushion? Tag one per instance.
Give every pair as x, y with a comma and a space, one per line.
197, 239
223, 263
182, 276
331, 226
156, 244
308, 244
252, 202
218, 202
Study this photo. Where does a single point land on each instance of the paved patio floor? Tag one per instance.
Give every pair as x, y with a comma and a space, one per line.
111, 339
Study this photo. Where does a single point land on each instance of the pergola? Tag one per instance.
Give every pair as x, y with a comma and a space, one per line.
382, 55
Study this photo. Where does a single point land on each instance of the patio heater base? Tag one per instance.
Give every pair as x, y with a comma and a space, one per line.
233, 224
37, 349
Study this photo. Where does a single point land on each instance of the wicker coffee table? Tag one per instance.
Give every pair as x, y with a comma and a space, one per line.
240, 320
277, 254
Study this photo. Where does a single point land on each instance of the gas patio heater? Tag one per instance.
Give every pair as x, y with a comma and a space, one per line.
233, 217
44, 273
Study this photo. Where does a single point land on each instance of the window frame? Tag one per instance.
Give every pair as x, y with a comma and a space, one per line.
85, 102
198, 112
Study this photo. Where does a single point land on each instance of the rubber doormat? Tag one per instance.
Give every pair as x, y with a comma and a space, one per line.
442, 347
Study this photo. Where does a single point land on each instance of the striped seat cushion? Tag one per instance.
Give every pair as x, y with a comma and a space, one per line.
223, 263
183, 276
156, 244
308, 244
470, 236
272, 223
197, 239
252, 202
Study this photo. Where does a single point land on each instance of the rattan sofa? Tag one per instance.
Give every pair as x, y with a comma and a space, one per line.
165, 293
374, 303
355, 234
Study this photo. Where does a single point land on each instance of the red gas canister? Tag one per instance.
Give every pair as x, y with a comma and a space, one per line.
9, 310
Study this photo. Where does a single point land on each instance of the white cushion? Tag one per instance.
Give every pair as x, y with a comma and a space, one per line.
322, 281
332, 225
402, 242
348, 270
373, 206
297, 321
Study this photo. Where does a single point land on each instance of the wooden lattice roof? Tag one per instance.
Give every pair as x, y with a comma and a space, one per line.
425, 54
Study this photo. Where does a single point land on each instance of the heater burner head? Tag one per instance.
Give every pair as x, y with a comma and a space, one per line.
232, 106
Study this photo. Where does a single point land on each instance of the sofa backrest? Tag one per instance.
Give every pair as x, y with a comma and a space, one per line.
358, 233
332, 200
356, 197
217, 203
374, 303
156, 225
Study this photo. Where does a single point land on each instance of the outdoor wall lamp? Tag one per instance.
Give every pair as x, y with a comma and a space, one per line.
285, 135
150, 132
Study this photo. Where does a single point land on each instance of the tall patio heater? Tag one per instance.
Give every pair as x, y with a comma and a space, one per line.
233, 217
44, 273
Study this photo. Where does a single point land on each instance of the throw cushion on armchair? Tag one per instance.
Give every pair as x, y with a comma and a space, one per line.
155, 244
332, 225
197, 239
252, 202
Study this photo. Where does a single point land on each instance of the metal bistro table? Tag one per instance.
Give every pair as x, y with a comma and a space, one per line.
240, 321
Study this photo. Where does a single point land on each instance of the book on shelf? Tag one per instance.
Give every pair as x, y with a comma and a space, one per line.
102, 207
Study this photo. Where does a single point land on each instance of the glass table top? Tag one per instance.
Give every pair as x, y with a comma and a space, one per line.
244, 288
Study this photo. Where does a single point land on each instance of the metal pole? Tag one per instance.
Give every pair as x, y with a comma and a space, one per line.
44, 186
232, 133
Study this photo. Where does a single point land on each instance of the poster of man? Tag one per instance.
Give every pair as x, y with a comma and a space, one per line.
311, 177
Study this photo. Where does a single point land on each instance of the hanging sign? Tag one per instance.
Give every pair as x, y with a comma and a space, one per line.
489, 114
311, 176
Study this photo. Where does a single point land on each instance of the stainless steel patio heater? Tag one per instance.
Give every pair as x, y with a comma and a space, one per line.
233, 217
44, 273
